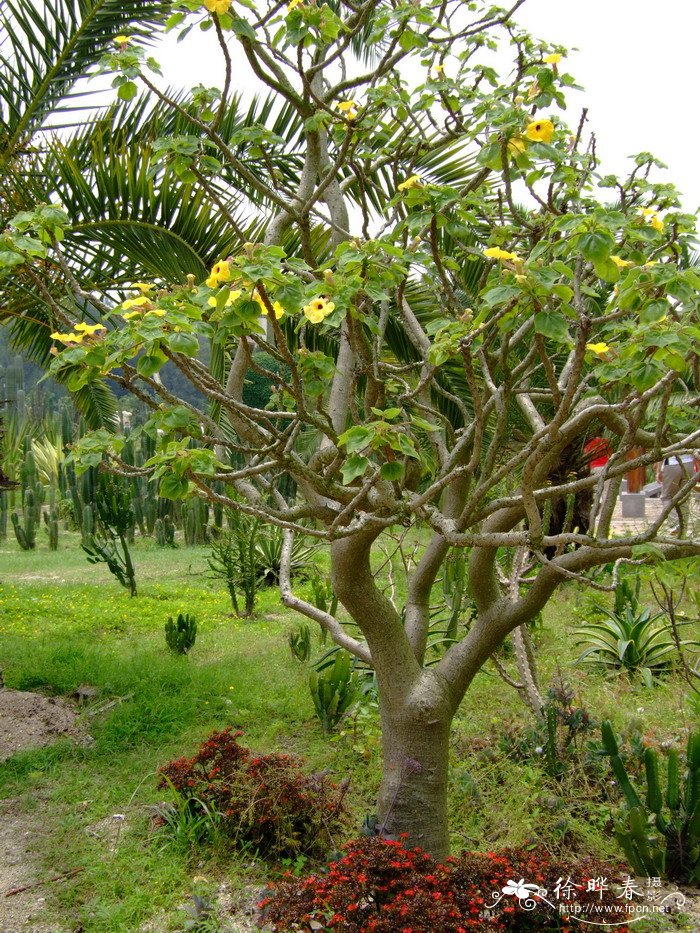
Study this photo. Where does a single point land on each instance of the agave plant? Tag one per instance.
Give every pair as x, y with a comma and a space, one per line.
632, 640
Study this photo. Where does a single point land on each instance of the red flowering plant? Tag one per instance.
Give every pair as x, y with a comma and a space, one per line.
382, 886
264, 802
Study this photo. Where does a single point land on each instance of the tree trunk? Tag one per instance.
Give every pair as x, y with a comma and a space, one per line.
413, 792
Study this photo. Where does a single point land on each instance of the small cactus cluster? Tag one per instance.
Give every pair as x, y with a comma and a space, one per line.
333, 690
180, 635
660, 834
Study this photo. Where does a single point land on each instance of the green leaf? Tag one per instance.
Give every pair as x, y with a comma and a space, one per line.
127, 91
183, 343
391, 471
596, 246
606, 270
356, 438
552, 324
150, 363
352, 468
173, 487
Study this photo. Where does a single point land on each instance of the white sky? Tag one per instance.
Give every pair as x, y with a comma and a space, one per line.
637, 60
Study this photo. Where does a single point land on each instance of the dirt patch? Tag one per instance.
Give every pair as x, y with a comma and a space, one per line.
29, 720
18, 840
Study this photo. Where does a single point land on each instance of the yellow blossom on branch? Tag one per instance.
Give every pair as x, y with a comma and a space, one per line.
414, 181
293, 4
495, 252
348, 108
121, 40
232, 296
89, 330
135, 302
553, 59
653, 219
516, 145
220, 273
620, 263
318, 309
600, 349
143, 287
68, 339
276, 306
217, 6
540, 131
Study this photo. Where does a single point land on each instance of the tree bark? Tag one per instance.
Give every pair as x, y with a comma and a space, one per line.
413, 793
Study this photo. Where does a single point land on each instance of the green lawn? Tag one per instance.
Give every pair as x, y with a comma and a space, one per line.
64, 622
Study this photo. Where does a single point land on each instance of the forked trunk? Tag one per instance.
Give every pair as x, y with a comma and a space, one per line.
413, 792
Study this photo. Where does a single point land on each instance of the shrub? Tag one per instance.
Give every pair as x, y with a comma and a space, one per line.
263, 802
180, 636
379, 886
633, 640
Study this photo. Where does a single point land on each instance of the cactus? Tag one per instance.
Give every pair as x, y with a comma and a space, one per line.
334, 690
26, 531
4, 510
659, 842
108, 541
165, 532
51, 522
300, 643
180, 636
195, 515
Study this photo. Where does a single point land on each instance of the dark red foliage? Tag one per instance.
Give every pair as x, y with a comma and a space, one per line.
265, 802
379, 886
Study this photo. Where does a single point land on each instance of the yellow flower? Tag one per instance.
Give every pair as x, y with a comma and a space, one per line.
438, 69
516, 145
620, 263
653, 219
232, 296
131, 314
540, 131
121, 40
135, 302
648, 265
143, 287
276, 306
413, 182
318, 309
68, 338
348, 108
217, 6
157, 312
89, 329
219, 273
553, 59
495, 252
600, 349
293, 4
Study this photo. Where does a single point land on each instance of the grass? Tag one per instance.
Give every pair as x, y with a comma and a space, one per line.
64, 623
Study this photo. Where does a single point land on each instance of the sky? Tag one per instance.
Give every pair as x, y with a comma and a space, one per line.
637, 61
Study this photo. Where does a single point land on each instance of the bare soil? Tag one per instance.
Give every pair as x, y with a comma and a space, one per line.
29, 720
19, 837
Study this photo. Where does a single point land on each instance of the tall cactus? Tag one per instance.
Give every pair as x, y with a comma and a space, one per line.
25, 532
51, 522
657, 840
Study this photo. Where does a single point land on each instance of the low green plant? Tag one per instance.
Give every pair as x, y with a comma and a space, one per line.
334, 689
660, 833
180, 635
269, 555
633, 640
300, 642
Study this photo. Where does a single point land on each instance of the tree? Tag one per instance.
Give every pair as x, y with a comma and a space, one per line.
443, 352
